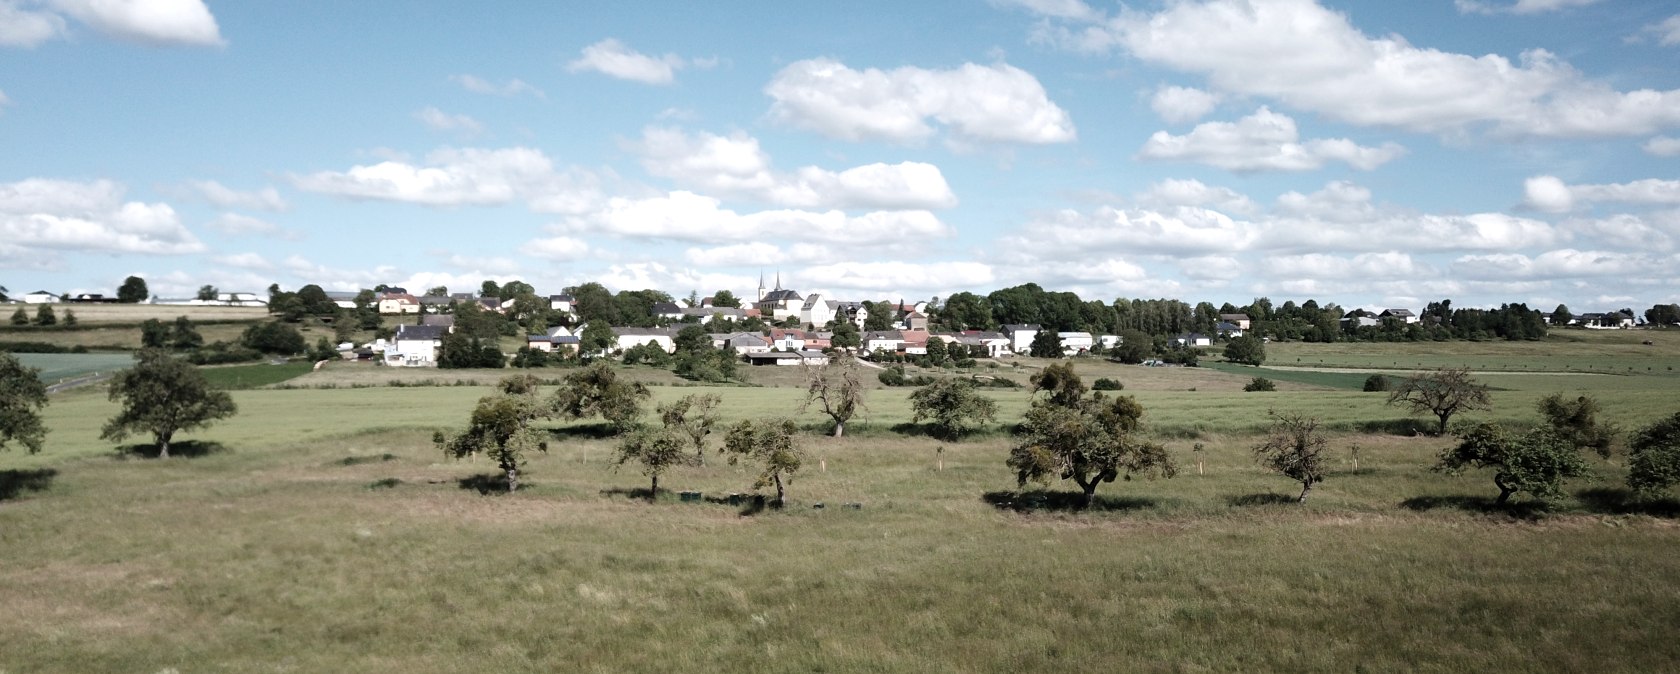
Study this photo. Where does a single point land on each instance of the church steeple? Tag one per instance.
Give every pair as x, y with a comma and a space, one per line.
778, 279
761, 292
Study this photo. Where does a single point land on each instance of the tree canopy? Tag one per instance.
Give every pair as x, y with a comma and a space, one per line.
499, 428
1294, 448
769, 444
1536, 462
1444, 393
1654, 457
1090, 441
596, 390
952, 405
838, 388
162, 396
133, 290
1247, 350
22, 397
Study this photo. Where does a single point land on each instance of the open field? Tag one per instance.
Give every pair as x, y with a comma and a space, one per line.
320, 530
1613, 351
136, 313
57, 367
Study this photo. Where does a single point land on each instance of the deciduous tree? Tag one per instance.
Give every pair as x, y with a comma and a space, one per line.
1654, 457
1577, 421
838, 388
162, 396
657, 450
133, 290
1045, 344
1536, 462
499, 428
22, 397
952, 405
693, 416
769, 444
1294, 449
596, 390
1246, 350
1444, 393
1093, 441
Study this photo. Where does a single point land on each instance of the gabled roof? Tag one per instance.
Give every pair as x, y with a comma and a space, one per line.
560, 298
400, 297
413, 332
1233, 317
644, 332
436, 301
782, 295
1227, 327
1402, 313
444, 320
1022, 328
664, 308
884, 335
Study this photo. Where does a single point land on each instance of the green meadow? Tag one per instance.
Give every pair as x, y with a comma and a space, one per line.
320, 530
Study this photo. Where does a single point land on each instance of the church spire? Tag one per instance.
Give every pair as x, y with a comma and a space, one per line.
778, 279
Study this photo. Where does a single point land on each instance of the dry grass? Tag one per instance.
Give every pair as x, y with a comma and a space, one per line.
136, 313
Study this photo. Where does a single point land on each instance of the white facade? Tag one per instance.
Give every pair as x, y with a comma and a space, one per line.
1076, 342
817, 311
399, 304
40, 297
1020, 337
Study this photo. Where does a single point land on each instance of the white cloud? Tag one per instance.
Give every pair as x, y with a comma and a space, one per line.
1263, 141
1547, 193
161, 22
1552, 194
686, 216
734, 165
89, 217
1662, 146
238, 224
464, 177
1061, 9
759, 254
27, 28
251, 261
479, 85
1521, 7
1313, 58
639, 275
265, 199
890, 278
613, 58
1627, 231
1179, 105
438, 120
1667, 31
490, 264
984, 103
1210, 267
557, 248
1339, 201
1177, 231
1425, 232
1365, 266
4, 101
1173, 192
1555, 264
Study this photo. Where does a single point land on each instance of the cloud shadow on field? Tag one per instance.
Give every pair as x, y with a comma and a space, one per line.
1062, 501
13, 483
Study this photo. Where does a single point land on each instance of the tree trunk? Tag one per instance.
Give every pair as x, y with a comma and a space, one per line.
1442, 429
163, 444
653, 493
779, 495
1505, 491
839, 427
513, 480
1090, 489
1305, 487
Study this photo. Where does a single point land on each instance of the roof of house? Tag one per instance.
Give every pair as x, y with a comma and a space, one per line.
412, 332
1398, 312
400, 297
554, 339
811, 302
664, 308
773, 355
1227, 327
1233, 317
644, 332
1022, 328
560, 298
1067, 335
779, 295
884, 335
1193, 337
435, 301
445, 320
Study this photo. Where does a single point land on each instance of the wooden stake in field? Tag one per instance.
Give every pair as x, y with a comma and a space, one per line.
940, 452
1197, 448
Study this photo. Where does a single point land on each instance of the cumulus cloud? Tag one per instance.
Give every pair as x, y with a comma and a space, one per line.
735, 166
759, 254
1549, 193
65, 215
616, 59
1554, 264
438, 120
1662, 146
27, 28
4, 101
557, 248
479, 85
1665, 32
686, 216
237, 224
1339, 201
252, 261
1179, 105
1061, 9
1174, 192
1177, 231
1313, 58
997, 103
1520, 7
1263, 141
889, 278
464, 177
639, 275
265, 199
158, 22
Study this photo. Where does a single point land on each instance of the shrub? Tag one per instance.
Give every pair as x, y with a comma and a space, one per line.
1376, 382
1106, 384
1260, 384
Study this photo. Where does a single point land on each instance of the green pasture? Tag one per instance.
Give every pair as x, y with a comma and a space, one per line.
257, 375
320, 530
1602, 351
55, 367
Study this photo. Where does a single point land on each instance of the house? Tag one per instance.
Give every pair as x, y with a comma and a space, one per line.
490, 304
889, 341
1192, 339
90, 298
341, 299
706, 313
1240, 320
817, 311
1611, 320
787, 340
1108, 341
779, 304
561, 303
552, 343
856, 312
915, 320
1076, 342
818, 341
915, 342
1360, 318
1403, 315
775, 358
667, 310
398, 303
920, 307
664, 338
1228, 329
436, 303
813, 357
415, 346
741, 342
445, 321
1021, 336
41, 297
983, 343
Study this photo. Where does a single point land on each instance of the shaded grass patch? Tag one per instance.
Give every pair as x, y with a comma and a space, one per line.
14, 483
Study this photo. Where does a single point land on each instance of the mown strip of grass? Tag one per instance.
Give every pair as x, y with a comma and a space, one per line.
244, 377
1344, 380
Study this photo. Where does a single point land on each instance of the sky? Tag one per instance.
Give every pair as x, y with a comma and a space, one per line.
1368, 153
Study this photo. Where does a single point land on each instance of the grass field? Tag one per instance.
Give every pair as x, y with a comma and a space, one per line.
136, 313
240, 377
56, 367
319, 530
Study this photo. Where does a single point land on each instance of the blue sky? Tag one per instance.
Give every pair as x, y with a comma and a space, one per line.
1366, 153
